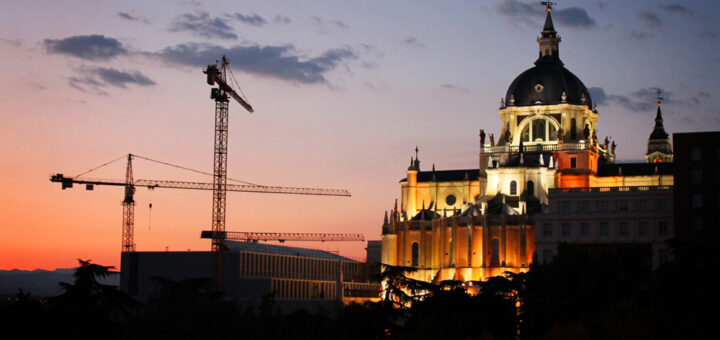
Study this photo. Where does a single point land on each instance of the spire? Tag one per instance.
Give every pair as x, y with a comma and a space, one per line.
548, 40
659, 130
549, 27
417, 160
413, 162
659, 147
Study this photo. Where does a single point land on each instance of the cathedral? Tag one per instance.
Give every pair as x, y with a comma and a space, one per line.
472, 224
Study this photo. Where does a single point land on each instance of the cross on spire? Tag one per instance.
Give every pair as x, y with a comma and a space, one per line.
658, 92
548, 5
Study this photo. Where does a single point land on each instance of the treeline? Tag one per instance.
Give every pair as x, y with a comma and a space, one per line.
582, 294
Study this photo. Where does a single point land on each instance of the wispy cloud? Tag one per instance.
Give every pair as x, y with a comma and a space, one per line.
598, 95
136, 18
637, 35
281, 19
677, 9
630, 104
279, 62
707, 35
87, 84
326, 26
650, 18
516, 8
121, 79
95, 80
89, 47
11, 42
249, 19
574, 17
643, 100
456, 88
413, 42
203, 25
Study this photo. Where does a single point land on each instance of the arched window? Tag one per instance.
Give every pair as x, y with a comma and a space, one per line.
513, 188
539, 130
573, 134
415, 254
530, 187
495, 255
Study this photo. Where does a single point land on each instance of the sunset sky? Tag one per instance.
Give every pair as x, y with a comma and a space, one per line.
342, 91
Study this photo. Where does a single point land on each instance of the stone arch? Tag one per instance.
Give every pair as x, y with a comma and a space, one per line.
537, 127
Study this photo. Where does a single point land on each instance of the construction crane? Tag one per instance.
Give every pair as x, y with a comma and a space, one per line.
254, 237
220, 94
128, 244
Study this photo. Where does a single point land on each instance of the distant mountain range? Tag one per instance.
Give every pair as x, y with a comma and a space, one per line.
41, 283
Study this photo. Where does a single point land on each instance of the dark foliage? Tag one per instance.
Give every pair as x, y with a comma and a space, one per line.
604, 293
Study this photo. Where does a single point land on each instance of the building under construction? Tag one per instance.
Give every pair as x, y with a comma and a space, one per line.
296, 277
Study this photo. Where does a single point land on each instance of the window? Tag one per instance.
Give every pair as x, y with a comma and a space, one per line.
564, 206
602, 206
697, 223
696, 154
495, 258
622, 205
623, 229
642, 228
573, 162
513, 188
663, 256
584, 229
661, 205
695, 176
547, 230
662, 228
450, 200
573, 124
547, 255
530, 188
696, 200
641, 205
415, 254
566, 229
583, 206
603, 229
539, 130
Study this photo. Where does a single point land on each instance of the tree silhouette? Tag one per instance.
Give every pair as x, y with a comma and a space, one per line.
88, 308
400, 290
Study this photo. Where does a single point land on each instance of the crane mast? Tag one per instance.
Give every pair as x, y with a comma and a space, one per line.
220, 95
128, 241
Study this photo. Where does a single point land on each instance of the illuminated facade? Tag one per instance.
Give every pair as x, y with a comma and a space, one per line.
471, 224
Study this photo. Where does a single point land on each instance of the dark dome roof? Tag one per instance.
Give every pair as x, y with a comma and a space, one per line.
554, 79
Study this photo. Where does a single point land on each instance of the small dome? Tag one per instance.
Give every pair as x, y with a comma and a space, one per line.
545, 84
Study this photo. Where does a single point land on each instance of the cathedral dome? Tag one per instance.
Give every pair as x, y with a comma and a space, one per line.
547, 83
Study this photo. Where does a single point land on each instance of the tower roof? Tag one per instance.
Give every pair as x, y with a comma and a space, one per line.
549, 27
549, 82
659, 130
